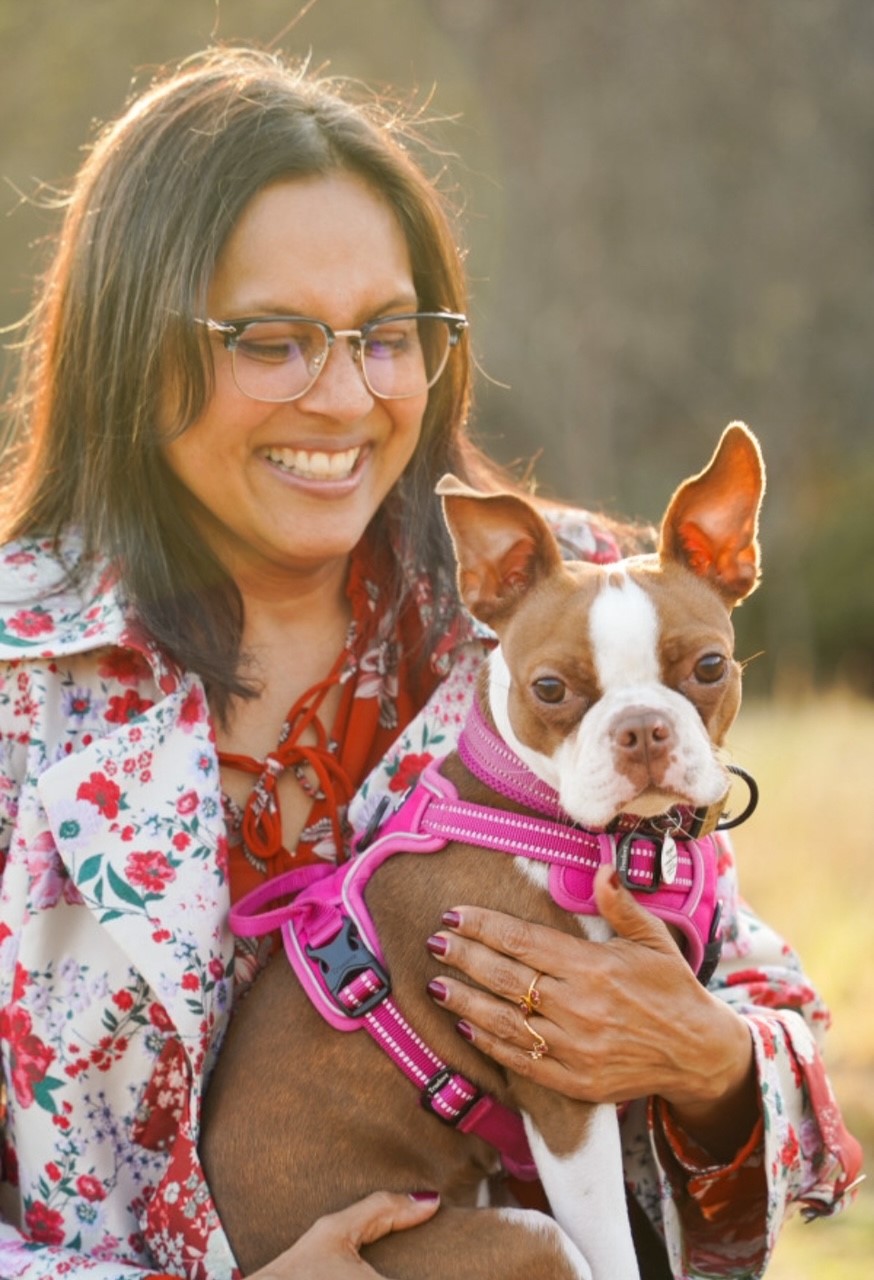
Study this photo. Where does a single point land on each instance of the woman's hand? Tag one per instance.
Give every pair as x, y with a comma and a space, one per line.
330, 1249
622, 1019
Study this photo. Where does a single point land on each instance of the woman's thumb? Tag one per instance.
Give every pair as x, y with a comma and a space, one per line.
626, 916
384, 1211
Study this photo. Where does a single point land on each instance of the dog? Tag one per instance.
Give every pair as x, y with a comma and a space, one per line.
612, 688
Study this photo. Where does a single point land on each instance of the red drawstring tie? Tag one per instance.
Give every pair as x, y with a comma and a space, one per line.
262, 818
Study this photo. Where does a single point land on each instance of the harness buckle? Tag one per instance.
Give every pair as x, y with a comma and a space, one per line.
624, 850
344, 959
434, 1086
713, 949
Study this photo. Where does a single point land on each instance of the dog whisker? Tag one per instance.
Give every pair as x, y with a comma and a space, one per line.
743, 663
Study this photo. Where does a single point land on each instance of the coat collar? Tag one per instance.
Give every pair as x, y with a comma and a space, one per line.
42, 615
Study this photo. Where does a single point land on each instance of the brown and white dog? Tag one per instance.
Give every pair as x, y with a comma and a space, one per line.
615, 685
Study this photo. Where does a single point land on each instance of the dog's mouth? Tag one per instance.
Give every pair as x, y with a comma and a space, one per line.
652, 802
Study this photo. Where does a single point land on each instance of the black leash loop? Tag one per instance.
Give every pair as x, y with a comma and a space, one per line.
726, 823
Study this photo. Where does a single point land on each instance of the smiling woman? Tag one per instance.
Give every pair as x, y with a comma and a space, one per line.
287, 487
228, 606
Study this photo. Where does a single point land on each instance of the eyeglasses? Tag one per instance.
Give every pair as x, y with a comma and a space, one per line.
278, 358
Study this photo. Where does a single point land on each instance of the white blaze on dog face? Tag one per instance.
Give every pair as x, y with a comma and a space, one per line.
624, 634
642, 746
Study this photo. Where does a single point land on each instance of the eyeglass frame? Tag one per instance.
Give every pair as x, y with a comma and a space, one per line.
231, 331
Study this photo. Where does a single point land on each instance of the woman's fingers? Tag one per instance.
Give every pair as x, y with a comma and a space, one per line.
613, 1020
330, 1249
500, 1027
500, 935
541, 948
384, 1211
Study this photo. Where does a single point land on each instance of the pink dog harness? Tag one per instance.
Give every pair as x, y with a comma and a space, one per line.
332, 946
331, 943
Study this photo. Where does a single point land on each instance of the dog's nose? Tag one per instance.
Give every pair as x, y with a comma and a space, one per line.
643, 736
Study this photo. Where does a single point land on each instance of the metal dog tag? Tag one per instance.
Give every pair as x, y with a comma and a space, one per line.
670, 859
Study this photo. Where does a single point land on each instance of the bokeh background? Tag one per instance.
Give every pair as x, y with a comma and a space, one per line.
668, 212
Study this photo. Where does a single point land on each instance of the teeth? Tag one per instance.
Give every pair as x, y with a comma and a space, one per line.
317, 465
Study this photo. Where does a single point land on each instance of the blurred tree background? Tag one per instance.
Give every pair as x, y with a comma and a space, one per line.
668, 216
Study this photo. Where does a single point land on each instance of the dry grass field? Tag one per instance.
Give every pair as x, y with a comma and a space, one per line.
807, 865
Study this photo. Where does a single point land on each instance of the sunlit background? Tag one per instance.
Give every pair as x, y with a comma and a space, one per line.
668, 212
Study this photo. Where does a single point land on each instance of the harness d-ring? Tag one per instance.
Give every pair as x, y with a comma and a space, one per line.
727, 823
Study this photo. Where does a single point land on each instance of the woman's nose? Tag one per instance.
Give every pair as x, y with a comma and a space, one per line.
340, 390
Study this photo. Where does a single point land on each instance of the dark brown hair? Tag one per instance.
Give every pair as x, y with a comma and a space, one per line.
112, 329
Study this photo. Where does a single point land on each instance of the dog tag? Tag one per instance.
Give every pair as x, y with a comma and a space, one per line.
669, 859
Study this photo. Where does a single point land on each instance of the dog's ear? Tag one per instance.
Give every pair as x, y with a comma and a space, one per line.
711, 524
502, 544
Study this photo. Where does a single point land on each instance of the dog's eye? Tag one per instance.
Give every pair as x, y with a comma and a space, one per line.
549, 689
710, 668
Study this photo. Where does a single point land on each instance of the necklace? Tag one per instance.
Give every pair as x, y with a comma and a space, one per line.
261, 816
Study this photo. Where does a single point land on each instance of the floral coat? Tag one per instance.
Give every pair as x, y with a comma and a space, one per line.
116, 971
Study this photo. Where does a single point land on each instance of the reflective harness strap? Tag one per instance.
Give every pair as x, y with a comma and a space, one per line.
351, 988
676, 879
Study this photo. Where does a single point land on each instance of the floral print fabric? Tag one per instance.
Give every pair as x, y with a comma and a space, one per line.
116, 965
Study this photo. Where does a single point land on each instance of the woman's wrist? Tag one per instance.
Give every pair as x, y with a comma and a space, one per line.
721, 1106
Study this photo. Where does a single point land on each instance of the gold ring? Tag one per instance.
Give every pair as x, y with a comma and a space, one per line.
531, 999
540, 1048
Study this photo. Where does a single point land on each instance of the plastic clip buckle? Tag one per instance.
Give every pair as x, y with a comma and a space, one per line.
342, 960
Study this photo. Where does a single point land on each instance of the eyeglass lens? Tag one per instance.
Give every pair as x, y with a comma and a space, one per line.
281, 359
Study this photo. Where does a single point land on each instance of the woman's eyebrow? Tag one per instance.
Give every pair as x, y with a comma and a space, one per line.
406, 302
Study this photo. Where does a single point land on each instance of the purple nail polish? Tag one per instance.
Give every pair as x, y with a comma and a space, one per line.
425, 1197
451, 919
437, 946
437, 990
465, 1030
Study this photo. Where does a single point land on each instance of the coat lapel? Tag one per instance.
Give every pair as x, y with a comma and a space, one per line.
137, 822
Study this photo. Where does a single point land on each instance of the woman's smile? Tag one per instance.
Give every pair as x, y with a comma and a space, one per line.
315, 464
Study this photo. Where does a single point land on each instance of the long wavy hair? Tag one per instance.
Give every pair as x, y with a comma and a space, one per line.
112, 329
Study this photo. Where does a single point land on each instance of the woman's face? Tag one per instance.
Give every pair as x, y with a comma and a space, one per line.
332, 249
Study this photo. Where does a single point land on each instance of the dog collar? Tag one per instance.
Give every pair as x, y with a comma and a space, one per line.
485, 753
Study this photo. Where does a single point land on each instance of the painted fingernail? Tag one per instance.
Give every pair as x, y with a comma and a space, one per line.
437, 946
437, 990
451, 919
425, 1197
465, 1030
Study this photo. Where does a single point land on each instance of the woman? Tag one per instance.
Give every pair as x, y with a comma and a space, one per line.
247, 367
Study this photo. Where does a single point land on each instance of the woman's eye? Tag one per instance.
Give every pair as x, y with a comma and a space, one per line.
549, 689
386, 346
268, 352
710, 668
